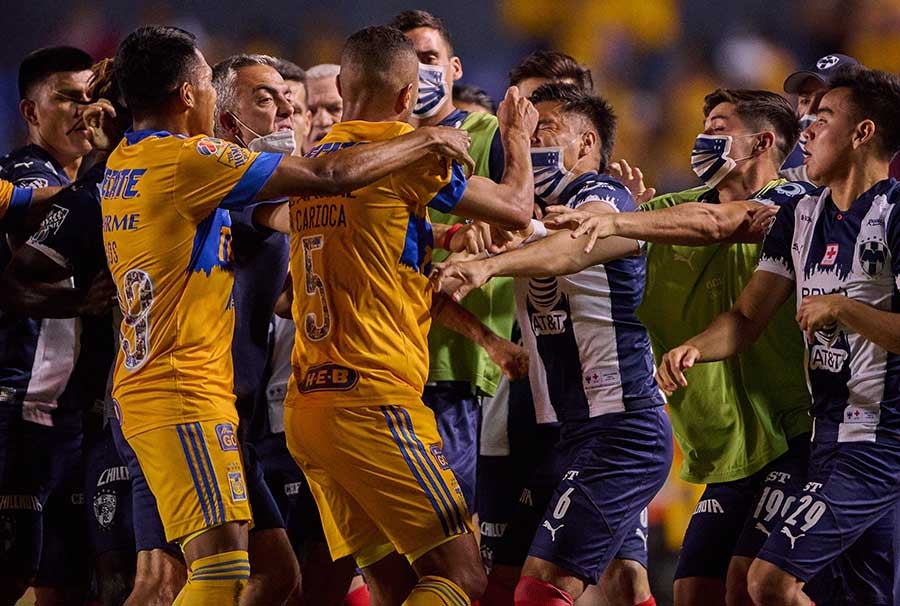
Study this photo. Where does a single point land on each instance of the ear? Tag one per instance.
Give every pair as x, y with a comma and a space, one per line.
589, 142
765, 142
337, 80
404, 99
28, 109
456, 68
186, 94
864, 133
228, 123
308, 123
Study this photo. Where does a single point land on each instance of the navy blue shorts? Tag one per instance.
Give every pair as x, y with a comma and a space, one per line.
732, 518
35, 461
107, 496
64, 562
458, 414
266, 514
844, 518
616, 465
290, 490
148, 528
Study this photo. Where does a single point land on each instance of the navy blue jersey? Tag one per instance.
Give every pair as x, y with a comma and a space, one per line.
71, 236
856, 253
37, 356
590, 355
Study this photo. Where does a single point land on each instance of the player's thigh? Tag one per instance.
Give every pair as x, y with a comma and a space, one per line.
195, 472
386, 461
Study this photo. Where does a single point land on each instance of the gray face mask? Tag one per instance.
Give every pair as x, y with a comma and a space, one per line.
278, 142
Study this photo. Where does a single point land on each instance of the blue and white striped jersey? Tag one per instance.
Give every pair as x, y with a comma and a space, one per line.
855, 253
590, 355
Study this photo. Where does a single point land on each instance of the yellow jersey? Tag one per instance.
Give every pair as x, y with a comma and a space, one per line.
359, 266
167, 238
14, 201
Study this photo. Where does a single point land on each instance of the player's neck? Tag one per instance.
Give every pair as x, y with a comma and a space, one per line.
742, 186
859, 178
436, 119
369, 109
69, 163
175, 124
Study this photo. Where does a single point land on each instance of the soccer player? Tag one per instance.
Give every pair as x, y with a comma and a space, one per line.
460, 372
837, 249
808, 84
164, 195
40, 424
354, 417
591, 370
323, 99
744, 442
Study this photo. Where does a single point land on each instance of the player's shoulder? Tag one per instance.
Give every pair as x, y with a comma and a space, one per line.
787, 193
32, 167
596, 187
480, 122
201, 150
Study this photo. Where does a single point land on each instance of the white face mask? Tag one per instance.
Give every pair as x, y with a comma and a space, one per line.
550, 173
278, 142
432, 91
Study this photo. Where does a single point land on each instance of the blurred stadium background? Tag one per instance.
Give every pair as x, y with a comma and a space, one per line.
654, 59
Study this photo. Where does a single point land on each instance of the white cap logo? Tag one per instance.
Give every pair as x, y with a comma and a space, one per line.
827, 62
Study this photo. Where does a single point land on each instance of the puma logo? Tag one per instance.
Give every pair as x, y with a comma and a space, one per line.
684, 257
643, 536
552, 530
762, 529
786, 532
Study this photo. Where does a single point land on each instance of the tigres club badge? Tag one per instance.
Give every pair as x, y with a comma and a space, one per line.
236, 483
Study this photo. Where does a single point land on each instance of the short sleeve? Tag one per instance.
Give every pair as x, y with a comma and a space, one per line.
14, 202
784, 193
893, 242
435, 182
213, 173
776, 248
69, 233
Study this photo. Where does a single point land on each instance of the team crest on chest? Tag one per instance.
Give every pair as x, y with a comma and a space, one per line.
872, 257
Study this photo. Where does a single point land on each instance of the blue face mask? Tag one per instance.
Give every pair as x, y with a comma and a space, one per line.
710, 160
550, 174
432, 91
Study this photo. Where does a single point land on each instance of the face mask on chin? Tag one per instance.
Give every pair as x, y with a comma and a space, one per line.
710, 160
278, 142
432, 91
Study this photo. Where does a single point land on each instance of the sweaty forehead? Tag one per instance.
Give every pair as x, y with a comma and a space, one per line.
71, 82
722, 112
836, 101
549, 111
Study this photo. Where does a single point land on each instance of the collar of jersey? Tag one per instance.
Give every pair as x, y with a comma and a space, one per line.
711, 196
862, 203
361, 130
575, 186
135, 136
455, 119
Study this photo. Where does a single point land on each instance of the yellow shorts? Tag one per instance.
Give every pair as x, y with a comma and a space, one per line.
195, 472
378, 476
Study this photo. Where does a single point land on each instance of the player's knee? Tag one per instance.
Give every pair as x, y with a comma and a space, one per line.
626, 578
770, 586
281, 576
736, 583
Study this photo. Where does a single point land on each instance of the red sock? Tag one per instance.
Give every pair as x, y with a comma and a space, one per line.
534, 592
651, 601
358, 597
497, 594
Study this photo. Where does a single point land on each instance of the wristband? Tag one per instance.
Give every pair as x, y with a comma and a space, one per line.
449, 235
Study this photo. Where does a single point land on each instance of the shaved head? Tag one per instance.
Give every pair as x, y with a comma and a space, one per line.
377, 63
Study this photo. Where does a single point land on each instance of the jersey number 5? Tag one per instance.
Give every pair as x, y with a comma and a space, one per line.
137, 292
315, 329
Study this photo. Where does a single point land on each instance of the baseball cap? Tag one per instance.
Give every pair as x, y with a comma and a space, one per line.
820, 71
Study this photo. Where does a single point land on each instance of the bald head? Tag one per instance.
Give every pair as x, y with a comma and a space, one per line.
378, 64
